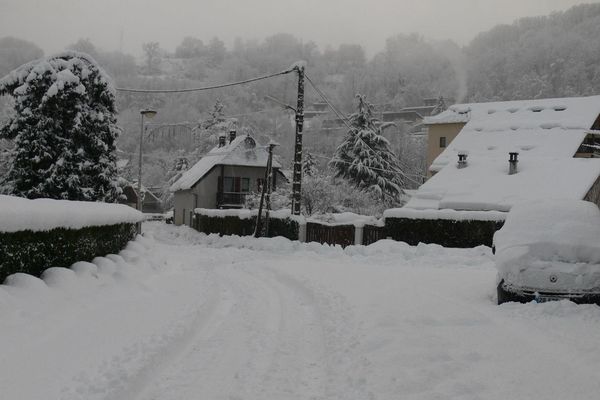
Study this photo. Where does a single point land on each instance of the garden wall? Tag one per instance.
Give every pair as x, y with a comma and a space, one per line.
39, 234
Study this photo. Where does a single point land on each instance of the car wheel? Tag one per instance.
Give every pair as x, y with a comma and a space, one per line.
504, 296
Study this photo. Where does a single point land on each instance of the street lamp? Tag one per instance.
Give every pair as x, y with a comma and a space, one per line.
148, 114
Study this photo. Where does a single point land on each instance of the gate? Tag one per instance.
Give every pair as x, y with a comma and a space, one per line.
330, 234
372, 233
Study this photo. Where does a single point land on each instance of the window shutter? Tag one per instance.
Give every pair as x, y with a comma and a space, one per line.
220, 184
237, 185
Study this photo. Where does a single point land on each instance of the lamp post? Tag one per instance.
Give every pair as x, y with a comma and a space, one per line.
148, 114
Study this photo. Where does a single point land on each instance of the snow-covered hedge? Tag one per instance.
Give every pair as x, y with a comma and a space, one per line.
448, 228
39, 234
243, 222
19, 214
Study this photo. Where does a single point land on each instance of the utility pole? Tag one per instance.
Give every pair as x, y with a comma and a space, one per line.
297, 180
265, 195
269, 186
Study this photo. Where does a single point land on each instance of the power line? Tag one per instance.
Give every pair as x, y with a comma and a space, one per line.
326, 100
198, 89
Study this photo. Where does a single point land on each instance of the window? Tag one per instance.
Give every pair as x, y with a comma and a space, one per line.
259, 184
442, 141
228, 184
245, 184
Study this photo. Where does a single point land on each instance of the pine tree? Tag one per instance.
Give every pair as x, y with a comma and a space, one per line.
64, 130
309, 165
365, 158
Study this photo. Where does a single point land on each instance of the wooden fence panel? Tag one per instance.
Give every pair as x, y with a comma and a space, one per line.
330, 234
372, 233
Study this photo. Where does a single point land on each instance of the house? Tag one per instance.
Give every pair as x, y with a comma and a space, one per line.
223, 177
489, 156
151, 202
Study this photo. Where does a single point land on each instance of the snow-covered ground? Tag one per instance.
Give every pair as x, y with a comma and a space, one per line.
181, 315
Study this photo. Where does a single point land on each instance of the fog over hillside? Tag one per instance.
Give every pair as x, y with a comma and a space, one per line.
465, 58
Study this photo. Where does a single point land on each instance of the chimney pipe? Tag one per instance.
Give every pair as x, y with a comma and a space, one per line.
462, 160
221, 140
232, 135
512, 163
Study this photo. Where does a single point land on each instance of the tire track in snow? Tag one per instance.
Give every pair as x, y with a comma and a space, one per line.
270, 346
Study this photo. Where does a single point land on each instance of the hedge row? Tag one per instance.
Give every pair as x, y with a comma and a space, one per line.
33, 252
445, 232
230, 225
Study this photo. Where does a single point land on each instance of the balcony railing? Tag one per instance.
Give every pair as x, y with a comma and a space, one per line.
231, 199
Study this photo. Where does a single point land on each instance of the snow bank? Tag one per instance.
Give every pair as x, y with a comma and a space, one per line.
445, 214
18, 214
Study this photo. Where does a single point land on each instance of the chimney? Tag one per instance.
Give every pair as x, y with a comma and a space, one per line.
232, 135
462, 160
222, 140
512, 163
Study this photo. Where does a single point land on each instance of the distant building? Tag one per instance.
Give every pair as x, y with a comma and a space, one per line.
413, 115
151, 202
223, 177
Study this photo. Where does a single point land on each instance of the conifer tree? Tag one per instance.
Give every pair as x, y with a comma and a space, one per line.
365, 158
309, 165
64, 130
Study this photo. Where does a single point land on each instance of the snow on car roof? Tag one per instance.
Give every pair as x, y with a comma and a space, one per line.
242, 151
545, 133
563, 230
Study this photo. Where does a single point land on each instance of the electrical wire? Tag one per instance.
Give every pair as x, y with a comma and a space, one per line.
198, 89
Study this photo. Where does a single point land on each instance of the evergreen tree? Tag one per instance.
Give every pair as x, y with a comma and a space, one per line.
365, 158
309, 165
64, 130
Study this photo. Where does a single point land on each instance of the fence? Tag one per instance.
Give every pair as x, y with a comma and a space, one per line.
456, 229
344, 235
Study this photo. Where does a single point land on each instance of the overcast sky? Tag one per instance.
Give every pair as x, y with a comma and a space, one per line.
126, 24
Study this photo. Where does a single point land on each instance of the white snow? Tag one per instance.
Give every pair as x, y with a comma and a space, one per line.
345, 218
18, 214
546, 142
182, 315
242, 151
248, 213
544, 237
445, 214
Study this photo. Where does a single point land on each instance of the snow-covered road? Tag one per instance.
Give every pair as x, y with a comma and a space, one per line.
179, 315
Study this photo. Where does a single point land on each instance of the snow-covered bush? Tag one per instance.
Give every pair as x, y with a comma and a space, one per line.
64, 130
42, 233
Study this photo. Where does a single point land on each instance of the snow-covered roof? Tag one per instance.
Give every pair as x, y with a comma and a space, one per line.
242, 151
565, 109
545, 133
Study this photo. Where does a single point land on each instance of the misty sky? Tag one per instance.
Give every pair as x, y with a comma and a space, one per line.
126, 24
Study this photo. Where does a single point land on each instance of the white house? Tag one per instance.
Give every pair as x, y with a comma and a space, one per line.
508, 152
223, 177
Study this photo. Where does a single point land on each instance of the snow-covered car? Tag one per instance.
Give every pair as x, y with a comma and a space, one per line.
549, 250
